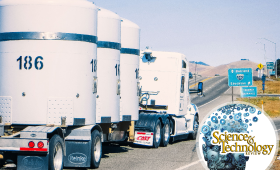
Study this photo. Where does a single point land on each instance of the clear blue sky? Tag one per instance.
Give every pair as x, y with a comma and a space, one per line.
213, 31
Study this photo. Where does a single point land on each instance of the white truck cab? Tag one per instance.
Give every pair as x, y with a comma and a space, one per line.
165, 96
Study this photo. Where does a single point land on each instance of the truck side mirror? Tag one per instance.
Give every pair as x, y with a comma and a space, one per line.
200, 87
198, 90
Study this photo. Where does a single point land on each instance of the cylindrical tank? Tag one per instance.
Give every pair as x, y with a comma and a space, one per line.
47, 56
108, 67
129, 61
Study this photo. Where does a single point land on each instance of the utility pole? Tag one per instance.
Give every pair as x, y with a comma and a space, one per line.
275, 55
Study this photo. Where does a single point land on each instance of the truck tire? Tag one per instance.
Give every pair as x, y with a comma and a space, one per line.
2, 162
56, 151
195, 128
165, 133
157, 134
96, 149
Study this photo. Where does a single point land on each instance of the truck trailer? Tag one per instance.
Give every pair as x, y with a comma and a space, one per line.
72, 77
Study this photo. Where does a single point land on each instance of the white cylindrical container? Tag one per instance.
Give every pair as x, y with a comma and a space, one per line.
47, 54
108, 67
130, 40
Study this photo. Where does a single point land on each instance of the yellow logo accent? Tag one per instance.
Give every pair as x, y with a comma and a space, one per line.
250, 149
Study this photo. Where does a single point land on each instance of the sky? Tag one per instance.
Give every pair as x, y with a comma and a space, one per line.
213, 31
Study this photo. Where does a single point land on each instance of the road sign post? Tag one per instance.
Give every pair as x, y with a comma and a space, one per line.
263, 84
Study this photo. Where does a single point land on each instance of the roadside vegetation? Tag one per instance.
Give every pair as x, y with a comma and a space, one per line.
271, 105
271, 87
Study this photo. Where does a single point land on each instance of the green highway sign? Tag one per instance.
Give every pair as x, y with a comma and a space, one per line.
270, 65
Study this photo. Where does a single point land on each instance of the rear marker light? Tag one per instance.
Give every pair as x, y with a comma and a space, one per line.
141, 133
40, 144
144, 133
31, 144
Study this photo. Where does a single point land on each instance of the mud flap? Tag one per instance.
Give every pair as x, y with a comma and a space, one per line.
78, 153
144, 138
32, 162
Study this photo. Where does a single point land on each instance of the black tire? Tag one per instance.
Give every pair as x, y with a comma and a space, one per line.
195, 128
157, 134
165, 133
96, 149
2, 162
56, 152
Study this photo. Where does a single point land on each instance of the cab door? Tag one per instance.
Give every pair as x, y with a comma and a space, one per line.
183, 86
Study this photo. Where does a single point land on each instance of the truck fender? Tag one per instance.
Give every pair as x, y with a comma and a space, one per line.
147, 120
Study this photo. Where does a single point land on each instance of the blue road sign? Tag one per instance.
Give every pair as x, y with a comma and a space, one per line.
272, 73
240, 77
270, 65
248, 91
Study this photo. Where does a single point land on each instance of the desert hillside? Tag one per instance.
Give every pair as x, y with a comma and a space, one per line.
222, 70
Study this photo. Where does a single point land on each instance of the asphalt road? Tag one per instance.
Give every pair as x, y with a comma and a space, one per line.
213, 87
177, 156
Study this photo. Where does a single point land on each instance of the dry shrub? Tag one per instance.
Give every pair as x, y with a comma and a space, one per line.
271, 87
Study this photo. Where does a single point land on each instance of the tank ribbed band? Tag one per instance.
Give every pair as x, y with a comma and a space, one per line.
130, 51
108, 44
13, 36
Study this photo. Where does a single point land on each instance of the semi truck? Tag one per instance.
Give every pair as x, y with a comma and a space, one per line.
72, 77
165, 109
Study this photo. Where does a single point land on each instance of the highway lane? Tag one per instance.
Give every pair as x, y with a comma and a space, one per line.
276, 122
181, 155
197, 79
212, 88
178, 156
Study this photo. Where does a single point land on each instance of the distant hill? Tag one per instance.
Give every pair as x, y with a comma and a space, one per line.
199, 68
200, 62
222, 70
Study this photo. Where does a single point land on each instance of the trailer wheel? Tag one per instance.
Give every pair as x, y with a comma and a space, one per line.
195, 128
96, 149
165, 133
56, 153
157, 134
2, 162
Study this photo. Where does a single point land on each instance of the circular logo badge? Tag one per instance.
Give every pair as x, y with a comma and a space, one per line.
237, 136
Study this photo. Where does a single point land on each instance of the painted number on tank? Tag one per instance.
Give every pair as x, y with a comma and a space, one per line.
28, 62
93, 65
117, 67
137, 72
38, 60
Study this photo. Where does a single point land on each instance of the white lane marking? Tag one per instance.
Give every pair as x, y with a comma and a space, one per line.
277, 130
214, 84
186, 166
209, 101
213, 99
228, 89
